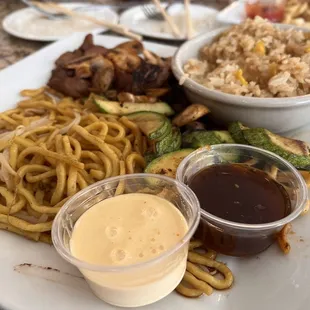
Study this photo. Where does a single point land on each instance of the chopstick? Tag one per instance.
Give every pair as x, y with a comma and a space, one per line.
116, 28
189, 22
175, 30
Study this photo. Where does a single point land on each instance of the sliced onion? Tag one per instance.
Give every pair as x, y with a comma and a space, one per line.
6, 136
44, 121
6, 170
54, 98
85, 112
31, 219
5, 164
76, 121
31, 111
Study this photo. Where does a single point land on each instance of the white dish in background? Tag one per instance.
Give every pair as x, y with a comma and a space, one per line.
285, 115
203, 17
233, 13
31, 25
267, 281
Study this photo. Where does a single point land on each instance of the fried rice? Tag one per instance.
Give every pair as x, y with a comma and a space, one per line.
255, 59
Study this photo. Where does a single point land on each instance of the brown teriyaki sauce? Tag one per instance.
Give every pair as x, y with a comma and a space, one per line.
240, 193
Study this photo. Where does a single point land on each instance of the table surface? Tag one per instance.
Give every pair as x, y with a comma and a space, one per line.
13, 49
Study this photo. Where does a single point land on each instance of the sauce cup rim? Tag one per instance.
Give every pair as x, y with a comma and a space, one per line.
65, 253
250, 227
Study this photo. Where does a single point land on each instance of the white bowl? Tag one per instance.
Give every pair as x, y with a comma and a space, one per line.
280, 115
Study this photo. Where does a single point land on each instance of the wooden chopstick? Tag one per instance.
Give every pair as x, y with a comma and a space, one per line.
169, 20
189, 22
60, 9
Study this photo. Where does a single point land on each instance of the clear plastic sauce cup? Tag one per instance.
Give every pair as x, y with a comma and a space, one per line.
238, 239
139, 284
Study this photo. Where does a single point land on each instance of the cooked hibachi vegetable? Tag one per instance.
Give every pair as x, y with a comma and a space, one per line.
294, 151
148, 157
190, 114
172, 142
154, 125
117, 108
236, 131
168, 163
223, 136
199, 138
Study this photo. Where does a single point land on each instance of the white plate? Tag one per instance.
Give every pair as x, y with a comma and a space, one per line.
204, 19
233, 13
31, 25
268, 281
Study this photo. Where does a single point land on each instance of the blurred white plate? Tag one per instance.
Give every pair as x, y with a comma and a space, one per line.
233, 13
31, 25
204, 19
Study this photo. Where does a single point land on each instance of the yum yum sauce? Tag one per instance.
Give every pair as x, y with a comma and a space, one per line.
126, 230
239, 193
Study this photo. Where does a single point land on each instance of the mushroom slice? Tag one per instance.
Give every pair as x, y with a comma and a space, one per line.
103, 73
190, 114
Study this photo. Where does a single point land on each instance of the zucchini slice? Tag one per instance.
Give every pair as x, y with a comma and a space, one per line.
199, 138
294, 151
154, 125
236, 131
117, 108
172, 142
224, 136
148, 157
167, 164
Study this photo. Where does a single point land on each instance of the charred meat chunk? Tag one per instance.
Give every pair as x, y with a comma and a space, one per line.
149, 76
67, 83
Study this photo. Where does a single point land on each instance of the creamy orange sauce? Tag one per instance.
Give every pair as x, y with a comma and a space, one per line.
127, 229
